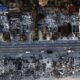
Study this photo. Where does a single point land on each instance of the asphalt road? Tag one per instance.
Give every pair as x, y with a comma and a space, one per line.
15, 48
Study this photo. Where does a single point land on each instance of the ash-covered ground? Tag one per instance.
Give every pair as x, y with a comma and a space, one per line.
41, 66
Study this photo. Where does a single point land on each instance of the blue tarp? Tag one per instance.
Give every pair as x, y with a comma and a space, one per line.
3, 8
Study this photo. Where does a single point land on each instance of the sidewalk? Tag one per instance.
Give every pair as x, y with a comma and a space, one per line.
67, 78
